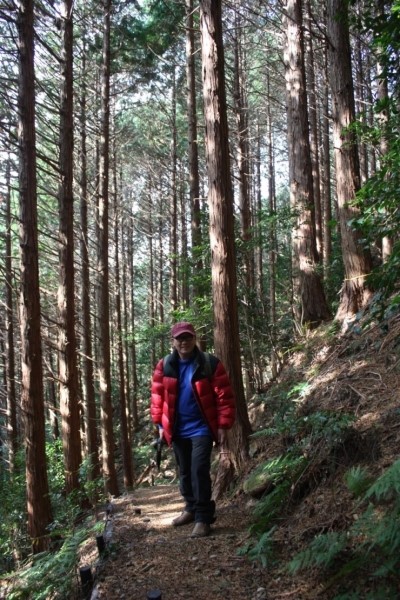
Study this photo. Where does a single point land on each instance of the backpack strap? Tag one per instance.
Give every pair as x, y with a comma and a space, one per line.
168, 367
210, 364
207, 365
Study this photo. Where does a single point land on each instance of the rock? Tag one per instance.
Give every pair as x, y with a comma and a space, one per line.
258, 483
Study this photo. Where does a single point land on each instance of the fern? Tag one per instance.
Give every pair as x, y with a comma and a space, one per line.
323, 551
358, 481
387, 487
379, 593
372, 543
263, 549
50, 573
283, 472
267, 432
270, 506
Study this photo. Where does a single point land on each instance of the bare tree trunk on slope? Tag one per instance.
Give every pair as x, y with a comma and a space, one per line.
32, 402
68, 374
103, 302
311, 306
356, 259
223, 264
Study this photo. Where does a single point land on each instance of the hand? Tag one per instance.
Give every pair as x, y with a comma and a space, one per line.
161, 433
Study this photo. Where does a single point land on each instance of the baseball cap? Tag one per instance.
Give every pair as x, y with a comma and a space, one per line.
182, 327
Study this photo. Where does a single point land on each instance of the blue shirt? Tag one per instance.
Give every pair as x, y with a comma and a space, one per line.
189, 419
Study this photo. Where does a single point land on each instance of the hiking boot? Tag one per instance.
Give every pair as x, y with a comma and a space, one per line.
201, 530
183, 519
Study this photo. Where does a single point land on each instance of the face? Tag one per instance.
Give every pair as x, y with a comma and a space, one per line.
185, 344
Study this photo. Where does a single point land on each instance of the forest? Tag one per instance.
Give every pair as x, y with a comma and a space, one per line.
231, 163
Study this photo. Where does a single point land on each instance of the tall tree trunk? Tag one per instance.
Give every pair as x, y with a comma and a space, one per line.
126, 328
32, 402
87, 359
103, 300
223, 262
273, 244
174, 204
132, 345
243, 161
183, 253
68, 374
383, 95
356, 259
326, 170
198, 286
314, 137
361, 105
126, 450
52, 397
12, 430
259, 267
310, 306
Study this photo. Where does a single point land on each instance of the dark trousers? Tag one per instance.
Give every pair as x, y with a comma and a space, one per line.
193, 456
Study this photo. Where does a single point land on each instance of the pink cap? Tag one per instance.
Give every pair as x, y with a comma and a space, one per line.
182, 327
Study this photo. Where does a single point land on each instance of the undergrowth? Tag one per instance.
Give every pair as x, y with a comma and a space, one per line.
50, 574
365, 558
368, 552
310, 440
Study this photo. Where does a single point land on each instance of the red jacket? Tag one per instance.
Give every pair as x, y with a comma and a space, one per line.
213, 394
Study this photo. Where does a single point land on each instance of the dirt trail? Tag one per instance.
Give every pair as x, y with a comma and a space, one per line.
151, 554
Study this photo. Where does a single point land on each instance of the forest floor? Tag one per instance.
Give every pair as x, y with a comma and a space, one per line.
357, 374
149, 553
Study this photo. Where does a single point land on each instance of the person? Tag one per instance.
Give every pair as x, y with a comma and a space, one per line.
193, 405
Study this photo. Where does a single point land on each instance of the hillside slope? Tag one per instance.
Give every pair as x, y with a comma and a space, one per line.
335, 407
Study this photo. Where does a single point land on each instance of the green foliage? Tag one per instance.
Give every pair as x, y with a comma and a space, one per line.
323, 552
387, 487
143, 454
271, 506
263, 549
378, 199
358, 480
13, 534
329, 426
370, 547
141, 36
307, 435
67, 508
51, 575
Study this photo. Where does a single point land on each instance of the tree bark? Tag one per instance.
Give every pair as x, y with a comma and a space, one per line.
32, 403
314, 134
103, 301
356, 259
131, 345
194, 184
310, 305
68, 374
174, 204
126, 450
243, 160
383, 95
87, 360
12, 426
326, 173
223, 262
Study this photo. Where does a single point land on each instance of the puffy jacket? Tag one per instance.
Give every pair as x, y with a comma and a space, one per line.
213, 393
